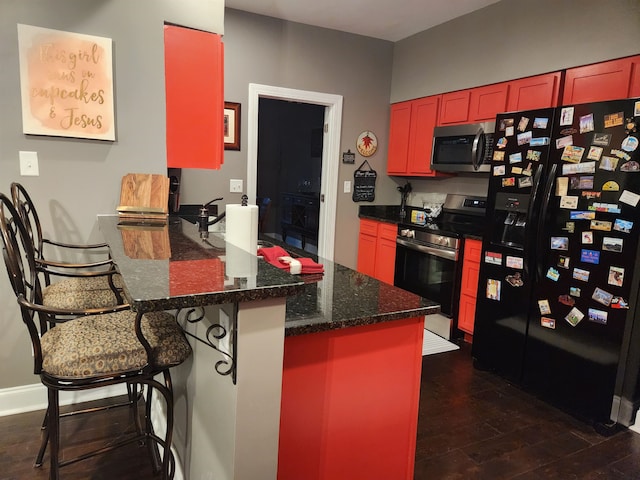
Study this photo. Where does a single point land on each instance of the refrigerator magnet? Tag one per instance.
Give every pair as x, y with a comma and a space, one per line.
539, 142
597, 316
595, 153
516, 170
566, 300
515, 279
502, 142
528, 171
629, 198
523, 123
540, 122
569, 201
544, 307
601, 139
613, 120
581, 182
505, 123
559, 243
566, 116
572, 153
509, 131
602, 296
499, 170
581, 215
515, 158
574, 317
508, 182
612, 244
525, 182
493, 258
570, 227
493, 289
602, 225
562, 186
623, 226
548, 322
619, 303
563, 262
587, 237
515, 262
605, 207
590, 256
591, 194
620, 154
498, 156
574, 291
580, 274
630, 143
586, 123
608, 163
563, 142
533, 155
631, 166
524, 138
616, 276
636, 109
630, 124
610, 186
553, 274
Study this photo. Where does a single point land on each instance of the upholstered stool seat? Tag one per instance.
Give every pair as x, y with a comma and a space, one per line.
79, 293
107, 345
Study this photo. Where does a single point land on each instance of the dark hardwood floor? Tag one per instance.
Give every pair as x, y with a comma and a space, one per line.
472, 425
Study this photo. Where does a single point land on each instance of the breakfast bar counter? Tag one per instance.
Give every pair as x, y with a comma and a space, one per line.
293, 376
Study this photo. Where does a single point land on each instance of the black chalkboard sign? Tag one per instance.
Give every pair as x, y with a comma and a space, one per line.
364, 184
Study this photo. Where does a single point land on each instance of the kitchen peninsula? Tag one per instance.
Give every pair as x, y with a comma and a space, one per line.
326, 368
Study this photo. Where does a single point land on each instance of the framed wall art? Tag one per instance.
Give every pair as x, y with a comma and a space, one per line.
231, 126
66, 83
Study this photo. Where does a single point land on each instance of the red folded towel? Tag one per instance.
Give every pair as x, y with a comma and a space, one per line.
280, 258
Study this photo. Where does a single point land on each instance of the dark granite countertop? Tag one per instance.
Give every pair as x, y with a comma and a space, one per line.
172, 267
382, 213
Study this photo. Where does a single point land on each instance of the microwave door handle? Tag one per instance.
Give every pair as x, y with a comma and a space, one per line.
475, 151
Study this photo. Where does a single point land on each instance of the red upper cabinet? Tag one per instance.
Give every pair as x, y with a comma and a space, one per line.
486, 102
411, 137
601, 81
634, 90
194, 83
399, 130
454, 107
542, 91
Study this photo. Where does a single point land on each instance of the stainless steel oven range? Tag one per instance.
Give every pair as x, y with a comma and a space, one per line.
429, 254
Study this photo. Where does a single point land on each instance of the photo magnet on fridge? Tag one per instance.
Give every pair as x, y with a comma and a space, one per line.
629, 144
515, 157
629, 198
613, 120
524, 138
547, 322
566, 116
563, 262
595, 153
515, 279
623, 226
580, 274
608, 163
586, 123
602, 296
598, 316
616, 276
590, 256
601, 139
522, 124
553, 274
493, 289
544, 307
612, 244
540, 122
574, 291
498, 156
574, 317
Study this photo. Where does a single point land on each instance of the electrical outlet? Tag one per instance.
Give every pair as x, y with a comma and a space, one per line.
235, 186
29, 164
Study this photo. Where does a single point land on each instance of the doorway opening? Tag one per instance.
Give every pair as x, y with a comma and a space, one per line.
327, 188
290, 171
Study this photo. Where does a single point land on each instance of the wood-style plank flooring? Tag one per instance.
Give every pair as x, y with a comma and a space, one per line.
472, 425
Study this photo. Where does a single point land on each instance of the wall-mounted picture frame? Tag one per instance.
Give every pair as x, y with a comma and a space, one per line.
231, 126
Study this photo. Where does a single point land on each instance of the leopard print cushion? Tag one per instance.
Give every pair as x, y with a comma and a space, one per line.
81, 293
107, 345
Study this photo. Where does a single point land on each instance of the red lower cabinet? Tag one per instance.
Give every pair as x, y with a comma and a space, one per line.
469, 287
350, 402
377, 249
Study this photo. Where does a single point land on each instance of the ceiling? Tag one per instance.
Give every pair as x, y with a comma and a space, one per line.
391, 20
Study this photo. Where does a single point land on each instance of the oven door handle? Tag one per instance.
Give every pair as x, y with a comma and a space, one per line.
437, 252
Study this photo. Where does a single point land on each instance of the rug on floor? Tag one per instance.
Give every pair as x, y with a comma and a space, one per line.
432, 343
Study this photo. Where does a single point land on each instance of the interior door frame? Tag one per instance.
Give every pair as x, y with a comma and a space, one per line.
330, 150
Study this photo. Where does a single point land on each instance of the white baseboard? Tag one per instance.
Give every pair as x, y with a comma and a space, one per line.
636, 426
29, 398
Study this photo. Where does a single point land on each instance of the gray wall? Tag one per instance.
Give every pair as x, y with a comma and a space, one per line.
80, 178
269, 51
504, 41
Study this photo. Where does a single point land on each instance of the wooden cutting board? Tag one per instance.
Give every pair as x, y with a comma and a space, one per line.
144, 193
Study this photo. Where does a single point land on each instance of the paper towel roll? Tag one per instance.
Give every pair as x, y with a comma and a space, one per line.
242, 226
240, 263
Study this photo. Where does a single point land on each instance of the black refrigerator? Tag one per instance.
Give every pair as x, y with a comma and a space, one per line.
559, 277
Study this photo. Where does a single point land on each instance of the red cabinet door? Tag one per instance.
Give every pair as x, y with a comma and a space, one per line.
486, 102
399, 131
599, 82
193, 63
424, 115
466, 313
531, 93
634, 90
454, 107
367, 254
386, 252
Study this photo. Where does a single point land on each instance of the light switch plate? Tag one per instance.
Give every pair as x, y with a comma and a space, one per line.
235, 186
29, 164
347, 186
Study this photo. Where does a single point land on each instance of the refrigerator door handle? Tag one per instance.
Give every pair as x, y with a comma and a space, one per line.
546, 196
529, 238
477, 149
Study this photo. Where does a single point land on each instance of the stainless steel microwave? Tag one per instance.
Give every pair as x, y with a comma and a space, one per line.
463, 148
